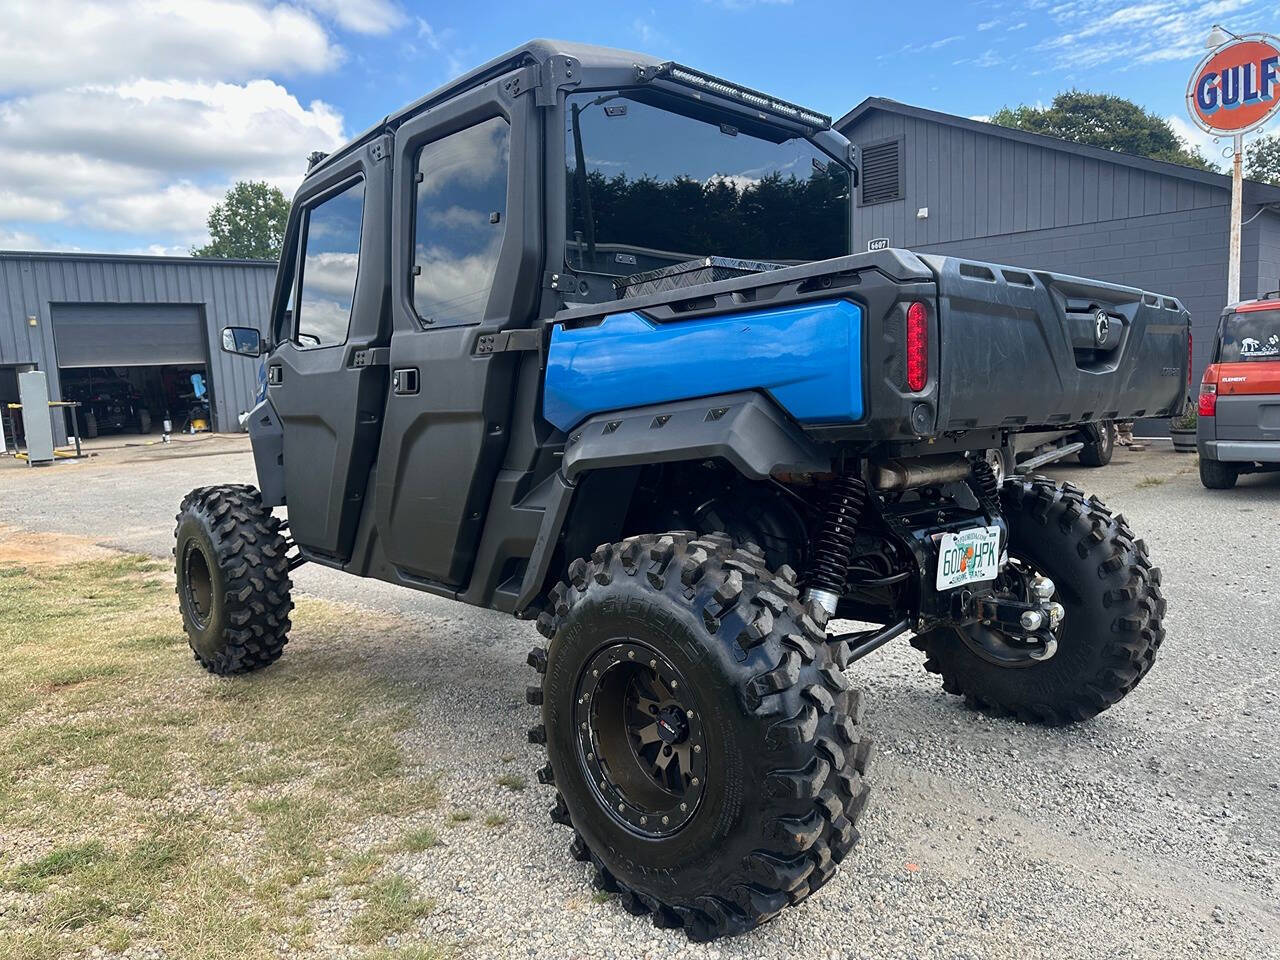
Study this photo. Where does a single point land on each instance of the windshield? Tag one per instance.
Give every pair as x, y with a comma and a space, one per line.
1252, 335
649, 188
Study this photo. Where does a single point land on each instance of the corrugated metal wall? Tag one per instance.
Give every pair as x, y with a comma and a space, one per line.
976, 185
229, 293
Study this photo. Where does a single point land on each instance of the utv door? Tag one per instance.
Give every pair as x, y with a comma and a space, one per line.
323, 378
466, 259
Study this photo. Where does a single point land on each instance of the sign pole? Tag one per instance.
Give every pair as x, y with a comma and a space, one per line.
1237, 189
1234, 90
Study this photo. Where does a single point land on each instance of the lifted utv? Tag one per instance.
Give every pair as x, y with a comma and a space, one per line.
578, 337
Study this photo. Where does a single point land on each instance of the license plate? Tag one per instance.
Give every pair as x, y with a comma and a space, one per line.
969, 556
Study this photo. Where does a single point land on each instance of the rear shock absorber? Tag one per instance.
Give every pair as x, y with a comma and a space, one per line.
984, 482
833, 545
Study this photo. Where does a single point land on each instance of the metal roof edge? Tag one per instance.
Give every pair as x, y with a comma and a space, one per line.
133, 258
1255, 191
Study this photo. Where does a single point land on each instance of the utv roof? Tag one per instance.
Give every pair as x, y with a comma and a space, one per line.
588, 57
533, 52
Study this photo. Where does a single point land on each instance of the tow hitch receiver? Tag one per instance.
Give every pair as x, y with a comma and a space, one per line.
1032, 622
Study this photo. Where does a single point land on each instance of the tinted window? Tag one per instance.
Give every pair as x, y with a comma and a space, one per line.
329, 268
460, 222
1254, 335
649, 187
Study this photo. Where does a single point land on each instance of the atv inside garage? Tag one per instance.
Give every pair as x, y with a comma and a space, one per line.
131, 366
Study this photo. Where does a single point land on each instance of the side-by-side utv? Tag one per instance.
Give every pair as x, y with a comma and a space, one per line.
579, 337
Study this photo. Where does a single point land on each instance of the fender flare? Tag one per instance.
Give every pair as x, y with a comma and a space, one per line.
747, 430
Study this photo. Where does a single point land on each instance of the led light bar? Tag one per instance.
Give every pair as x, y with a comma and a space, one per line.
732, 91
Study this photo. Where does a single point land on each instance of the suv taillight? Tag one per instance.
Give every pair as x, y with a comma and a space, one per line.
917, 347
1208, 402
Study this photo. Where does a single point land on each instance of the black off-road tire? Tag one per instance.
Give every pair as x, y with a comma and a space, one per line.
232, 579
784, 781
1098, 453
1114, 608
1216, 475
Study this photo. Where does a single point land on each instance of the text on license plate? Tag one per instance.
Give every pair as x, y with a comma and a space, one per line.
968, 556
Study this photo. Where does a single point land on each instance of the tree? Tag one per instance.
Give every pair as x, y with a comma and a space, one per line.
248, 224
1262, 159
1107, 121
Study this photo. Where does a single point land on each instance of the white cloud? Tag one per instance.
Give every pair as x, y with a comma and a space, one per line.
360, 16
21, 206
1123, 34
20, 240
179, 207
988, 25
150, 157
441, 43
56, 43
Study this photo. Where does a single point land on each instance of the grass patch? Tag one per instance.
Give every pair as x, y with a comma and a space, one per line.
180, 814
512, 781
459, 816
416, 841
1150, 481
494, 820
391, 906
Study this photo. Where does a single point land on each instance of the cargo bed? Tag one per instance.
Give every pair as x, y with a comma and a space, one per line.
1008, 348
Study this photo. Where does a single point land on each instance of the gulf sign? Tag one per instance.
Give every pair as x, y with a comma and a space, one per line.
1237, 85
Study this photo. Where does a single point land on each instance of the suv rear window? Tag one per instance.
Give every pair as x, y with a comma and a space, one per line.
1250, 335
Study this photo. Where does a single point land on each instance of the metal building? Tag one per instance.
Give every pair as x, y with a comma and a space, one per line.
132, 326
938, 183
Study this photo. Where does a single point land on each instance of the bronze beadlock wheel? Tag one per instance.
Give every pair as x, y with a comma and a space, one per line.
640, 740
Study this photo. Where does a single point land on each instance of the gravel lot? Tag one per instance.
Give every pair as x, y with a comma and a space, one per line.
1152, 831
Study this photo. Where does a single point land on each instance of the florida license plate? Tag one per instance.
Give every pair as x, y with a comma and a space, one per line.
968, 557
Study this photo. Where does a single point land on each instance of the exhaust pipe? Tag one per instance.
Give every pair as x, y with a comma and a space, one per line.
921, 472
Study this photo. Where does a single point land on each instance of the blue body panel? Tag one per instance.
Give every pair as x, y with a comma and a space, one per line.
807, 356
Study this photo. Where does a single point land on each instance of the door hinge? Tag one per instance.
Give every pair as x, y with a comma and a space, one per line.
545, 79
372, 357
509, 341
380, 149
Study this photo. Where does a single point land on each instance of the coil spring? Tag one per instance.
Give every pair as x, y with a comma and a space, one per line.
833, 545
984, 481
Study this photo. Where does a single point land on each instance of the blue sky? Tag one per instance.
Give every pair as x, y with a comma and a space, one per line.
121, 121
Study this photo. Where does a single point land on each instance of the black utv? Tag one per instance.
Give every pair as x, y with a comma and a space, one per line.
579, 337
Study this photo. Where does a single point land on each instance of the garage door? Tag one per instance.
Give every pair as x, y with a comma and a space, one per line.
128, 334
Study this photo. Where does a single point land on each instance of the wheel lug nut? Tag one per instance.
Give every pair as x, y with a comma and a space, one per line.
591, 756
666, 820
689, 714
619, 808
695, 781
595, 673
697, 748
644, 820
653, 663
631, 654
684, 807
674, 684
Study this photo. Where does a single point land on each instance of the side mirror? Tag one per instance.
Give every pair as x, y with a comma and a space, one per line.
246, 341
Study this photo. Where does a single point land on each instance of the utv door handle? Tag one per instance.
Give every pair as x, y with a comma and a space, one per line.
404, 382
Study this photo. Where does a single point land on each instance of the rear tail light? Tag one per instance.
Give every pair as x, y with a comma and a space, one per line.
1208, 403
917, 347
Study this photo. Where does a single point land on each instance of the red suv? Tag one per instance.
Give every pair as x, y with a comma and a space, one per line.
1239, 424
